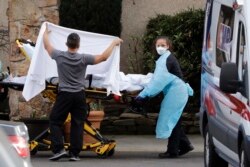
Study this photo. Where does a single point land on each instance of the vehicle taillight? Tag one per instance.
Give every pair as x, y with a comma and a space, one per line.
20, 145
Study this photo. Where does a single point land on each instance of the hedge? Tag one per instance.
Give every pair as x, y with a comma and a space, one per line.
94, 16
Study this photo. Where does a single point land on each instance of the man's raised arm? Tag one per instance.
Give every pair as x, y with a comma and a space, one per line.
104, 56
46, 41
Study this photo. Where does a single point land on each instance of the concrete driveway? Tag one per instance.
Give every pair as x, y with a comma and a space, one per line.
131, 151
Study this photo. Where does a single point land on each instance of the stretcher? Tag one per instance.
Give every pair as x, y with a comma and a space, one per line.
103, 146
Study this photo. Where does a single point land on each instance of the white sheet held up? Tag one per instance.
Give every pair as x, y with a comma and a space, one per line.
42, 66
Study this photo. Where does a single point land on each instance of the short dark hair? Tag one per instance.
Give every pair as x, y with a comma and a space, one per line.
73, 41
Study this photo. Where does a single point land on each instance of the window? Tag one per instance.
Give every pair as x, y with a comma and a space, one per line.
242, 59
224, 35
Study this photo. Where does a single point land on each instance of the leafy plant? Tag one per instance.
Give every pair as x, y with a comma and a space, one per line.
94, 16
96, 105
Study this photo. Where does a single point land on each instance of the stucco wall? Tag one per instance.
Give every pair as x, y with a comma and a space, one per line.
136, 14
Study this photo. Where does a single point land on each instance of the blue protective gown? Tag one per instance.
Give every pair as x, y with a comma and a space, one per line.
175, 91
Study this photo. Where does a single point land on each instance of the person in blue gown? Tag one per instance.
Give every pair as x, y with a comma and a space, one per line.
168, 78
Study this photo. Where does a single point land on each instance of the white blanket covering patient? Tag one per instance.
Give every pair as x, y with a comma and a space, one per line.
105, 75
42, 66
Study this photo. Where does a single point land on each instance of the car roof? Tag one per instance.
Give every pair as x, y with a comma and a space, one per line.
14, 128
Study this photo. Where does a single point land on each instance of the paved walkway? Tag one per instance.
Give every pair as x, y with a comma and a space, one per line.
149, 143
131, 151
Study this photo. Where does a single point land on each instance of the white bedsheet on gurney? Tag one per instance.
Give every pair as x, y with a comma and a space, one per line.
43, 67
129, 82
104, 76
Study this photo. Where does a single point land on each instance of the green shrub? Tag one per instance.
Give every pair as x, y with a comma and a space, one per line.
94, 16
185, 29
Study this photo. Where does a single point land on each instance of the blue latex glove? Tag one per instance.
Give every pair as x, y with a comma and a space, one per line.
140, 99
137, 105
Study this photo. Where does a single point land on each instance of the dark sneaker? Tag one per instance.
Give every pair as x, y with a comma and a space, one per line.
167, 155
58, 155
74, 158
186, 150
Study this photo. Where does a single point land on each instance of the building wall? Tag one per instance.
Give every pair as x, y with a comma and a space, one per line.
23, 18
136, 14
4, 34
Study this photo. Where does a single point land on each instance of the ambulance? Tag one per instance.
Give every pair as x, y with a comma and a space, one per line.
225, 107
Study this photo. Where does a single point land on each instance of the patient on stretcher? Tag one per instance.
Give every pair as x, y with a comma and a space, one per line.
128, 83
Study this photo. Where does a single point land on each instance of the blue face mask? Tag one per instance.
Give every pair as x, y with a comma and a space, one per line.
161, 50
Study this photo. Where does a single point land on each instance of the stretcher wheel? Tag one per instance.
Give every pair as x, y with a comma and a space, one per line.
107, 153
111, 152
104, 155
34, 151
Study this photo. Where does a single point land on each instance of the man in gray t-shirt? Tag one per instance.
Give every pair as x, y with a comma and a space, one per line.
71, 79
71, 68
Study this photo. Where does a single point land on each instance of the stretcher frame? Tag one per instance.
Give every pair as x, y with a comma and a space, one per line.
104, 147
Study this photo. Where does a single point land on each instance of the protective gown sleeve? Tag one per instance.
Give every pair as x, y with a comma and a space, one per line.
161, 78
